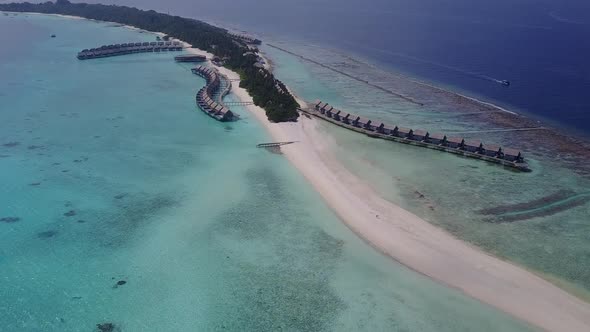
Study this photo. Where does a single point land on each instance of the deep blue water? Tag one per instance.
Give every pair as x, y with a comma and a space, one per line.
541, 46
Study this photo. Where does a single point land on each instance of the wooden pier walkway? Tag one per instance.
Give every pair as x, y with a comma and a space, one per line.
239, 103
436, 141
273, 144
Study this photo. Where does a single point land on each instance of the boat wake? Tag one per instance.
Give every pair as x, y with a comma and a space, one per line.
439, 65
495, 80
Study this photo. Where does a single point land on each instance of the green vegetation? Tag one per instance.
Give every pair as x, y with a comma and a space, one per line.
267, 91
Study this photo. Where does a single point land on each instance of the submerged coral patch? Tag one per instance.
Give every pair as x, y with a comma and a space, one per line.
120, 283
9, 220
114, 227
105, 327
70, 213
47, 234
545, 206
10, 144
267, 296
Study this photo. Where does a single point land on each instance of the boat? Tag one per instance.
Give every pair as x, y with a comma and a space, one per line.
505, 82
52, 36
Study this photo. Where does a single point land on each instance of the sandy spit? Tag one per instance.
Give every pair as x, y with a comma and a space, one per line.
413, 241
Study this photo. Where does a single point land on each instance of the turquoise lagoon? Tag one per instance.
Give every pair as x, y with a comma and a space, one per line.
109, 173
540, 220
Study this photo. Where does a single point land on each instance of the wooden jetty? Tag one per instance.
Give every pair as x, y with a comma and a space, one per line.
209, 98
239, 103
457, 145
273, 144
129, 48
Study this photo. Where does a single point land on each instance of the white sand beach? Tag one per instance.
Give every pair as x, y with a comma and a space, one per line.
416, 243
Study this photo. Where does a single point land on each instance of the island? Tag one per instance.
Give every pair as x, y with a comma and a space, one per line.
233, 51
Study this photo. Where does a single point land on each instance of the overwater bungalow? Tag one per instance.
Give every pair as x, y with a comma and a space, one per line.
419, 135
455, 142
367, 124
403, 132
358, 121
437, 138
473, 146
492, 150
329, 111
512, 155
345, 117
386, 130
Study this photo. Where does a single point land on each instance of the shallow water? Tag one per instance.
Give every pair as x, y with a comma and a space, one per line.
109, 173
445, 189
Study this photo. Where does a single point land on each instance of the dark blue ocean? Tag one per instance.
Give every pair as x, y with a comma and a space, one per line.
541, 46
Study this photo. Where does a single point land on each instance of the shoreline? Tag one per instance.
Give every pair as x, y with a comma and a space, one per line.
412, 241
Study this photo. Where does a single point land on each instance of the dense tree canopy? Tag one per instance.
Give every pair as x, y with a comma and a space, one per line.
268, 92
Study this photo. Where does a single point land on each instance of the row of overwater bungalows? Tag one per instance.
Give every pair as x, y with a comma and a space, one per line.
190, 58
129, 48
425, 138
205, 95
